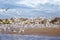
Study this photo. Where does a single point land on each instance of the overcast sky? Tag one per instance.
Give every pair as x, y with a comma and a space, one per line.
29, 3
32, 7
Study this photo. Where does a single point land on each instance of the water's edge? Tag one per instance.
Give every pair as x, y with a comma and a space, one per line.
27, 37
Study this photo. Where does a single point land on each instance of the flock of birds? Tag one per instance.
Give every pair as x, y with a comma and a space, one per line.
19, 24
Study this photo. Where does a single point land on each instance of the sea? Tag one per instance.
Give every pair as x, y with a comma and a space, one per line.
27, 37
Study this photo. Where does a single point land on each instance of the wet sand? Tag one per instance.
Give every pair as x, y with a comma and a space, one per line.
36, 31
43, 31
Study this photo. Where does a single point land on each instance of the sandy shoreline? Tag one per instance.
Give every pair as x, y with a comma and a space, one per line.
36, 31
43, 31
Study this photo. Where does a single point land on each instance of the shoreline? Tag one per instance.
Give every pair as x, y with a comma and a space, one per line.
37, 31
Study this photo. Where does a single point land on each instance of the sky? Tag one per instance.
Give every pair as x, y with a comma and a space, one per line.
30, 8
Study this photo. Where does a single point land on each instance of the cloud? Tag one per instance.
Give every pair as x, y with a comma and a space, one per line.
34, 3
55, 2
29, 3
31, 7
8, 1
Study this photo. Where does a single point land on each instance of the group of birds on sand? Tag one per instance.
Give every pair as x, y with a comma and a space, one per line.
31, 22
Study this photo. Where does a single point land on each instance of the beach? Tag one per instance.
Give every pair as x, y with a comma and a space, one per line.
34, 26
36, 31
